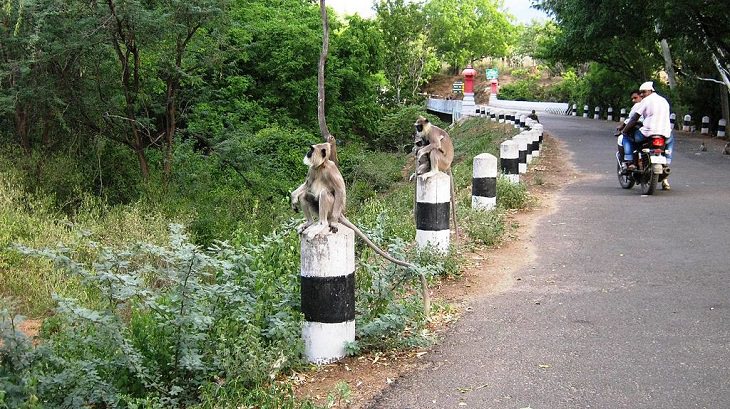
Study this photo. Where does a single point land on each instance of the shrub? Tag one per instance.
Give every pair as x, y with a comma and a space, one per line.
395, 130
171, 320
512, 195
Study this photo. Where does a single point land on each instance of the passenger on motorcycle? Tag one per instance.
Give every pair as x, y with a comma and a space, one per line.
655, 112
635, 98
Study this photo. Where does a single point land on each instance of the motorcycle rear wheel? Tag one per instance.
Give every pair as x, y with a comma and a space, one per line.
648, 181
624, 179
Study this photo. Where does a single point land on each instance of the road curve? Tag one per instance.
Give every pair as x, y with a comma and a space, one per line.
626, 306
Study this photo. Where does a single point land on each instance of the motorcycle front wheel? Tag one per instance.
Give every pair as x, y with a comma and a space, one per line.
649, 179
624, 179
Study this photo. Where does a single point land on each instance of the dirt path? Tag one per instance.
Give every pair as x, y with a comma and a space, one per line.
487, 271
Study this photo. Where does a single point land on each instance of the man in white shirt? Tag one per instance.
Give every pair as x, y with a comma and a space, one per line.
655, 112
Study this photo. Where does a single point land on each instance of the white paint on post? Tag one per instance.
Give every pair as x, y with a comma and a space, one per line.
522, 143
509, 152
484, 182
597, 113
622, 116
721, 128
327, 258
575, 109
672, 119
687, 123
585, 111
705, 125
432, 227
609, 117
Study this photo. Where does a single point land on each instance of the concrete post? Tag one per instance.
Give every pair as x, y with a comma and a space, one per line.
501, 117
705, 125
597, 113
687, 123
328, 294
575, 109
493, 114
522, 121
673, 119
516, 120
622, 116
484, 182
509, 157
585, 111
609, 116
721, 128
522, 143
433, 200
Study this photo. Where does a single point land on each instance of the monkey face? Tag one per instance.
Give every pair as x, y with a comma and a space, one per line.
420, 124
317, 155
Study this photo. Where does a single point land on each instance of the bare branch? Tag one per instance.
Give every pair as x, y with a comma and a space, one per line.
320, 72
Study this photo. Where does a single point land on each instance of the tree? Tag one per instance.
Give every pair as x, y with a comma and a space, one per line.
465, 30
409, 59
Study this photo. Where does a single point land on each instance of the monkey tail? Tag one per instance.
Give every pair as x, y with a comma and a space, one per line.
372, 245
453, 206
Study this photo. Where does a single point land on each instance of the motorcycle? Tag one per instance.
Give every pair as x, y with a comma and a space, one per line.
650, 165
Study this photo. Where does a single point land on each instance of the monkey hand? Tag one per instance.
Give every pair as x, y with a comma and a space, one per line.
413, 176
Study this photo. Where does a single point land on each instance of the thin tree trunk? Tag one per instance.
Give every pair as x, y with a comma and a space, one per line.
668, 65
725, 104
320, 71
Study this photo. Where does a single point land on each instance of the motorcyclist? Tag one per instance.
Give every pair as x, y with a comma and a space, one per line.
655, 111
635, 98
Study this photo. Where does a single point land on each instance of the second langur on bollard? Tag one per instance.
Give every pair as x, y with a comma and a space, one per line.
323, 195
434, 152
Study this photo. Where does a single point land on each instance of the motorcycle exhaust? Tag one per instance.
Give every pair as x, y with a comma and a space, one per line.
667, 171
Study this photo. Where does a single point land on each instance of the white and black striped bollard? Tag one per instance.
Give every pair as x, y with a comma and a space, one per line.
484, 182
672, 119
687, 123
575, 109
483, 112
622, 115
705, 125
509, 159
493, 114
609, 116
501, 117
522, 121
433, 203
585, 111
597, 113
328, 294
721, 128
522, 148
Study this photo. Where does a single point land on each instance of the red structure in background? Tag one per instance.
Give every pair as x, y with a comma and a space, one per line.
469, 73
495, 85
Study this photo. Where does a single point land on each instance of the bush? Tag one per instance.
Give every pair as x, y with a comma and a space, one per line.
395, 130
171, 320
485, 227
512, 195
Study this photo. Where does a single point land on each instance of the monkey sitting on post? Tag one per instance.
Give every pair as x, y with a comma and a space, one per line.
434, 153
437, 145
323, 194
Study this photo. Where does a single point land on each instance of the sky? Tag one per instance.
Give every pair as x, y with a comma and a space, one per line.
519, 8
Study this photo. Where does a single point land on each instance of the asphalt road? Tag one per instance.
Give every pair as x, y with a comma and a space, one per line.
626, 306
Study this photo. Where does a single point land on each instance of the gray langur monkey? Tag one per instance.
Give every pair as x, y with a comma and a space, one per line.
323, 194
434, 152
439, 147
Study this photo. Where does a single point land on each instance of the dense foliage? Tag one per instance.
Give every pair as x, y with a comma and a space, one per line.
684, 45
